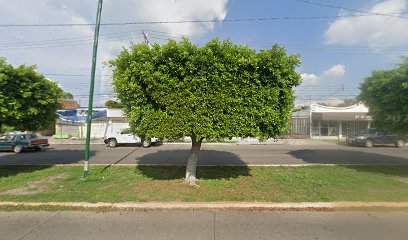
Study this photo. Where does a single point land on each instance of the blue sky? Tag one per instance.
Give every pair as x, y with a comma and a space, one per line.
335, 52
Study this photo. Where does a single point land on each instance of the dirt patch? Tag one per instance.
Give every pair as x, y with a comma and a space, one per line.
35, 187
403, 179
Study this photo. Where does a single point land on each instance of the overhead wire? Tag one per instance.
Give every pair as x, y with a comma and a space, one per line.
262, 19
350, 9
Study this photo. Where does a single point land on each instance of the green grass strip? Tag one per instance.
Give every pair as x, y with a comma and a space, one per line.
165, 184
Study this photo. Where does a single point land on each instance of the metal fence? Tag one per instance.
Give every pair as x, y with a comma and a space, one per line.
300, 128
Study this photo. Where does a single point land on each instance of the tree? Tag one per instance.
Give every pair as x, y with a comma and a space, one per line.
67, 95
345, 103
28, 101
220, 90
385, 93
113, 104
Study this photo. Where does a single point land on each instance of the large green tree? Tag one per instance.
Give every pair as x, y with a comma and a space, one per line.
28, 101
219, 90
113, 104
386, 95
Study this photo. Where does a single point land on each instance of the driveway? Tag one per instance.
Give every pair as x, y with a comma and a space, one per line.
221, 154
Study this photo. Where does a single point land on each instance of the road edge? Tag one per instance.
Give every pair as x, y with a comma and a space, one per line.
217, 206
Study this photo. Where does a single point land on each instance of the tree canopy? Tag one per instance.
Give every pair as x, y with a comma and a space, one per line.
113, 104
385, 93
67, 95
219, 90
28, 101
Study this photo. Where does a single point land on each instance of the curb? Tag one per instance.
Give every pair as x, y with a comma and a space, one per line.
221, 206
199, 165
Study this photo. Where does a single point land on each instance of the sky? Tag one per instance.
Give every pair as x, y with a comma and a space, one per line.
339, 42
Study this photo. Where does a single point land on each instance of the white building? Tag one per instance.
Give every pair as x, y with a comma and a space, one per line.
338, 122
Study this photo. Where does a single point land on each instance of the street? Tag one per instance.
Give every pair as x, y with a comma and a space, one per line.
220, 154
204, 225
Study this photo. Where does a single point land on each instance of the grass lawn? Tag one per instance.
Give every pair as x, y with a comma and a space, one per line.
154, 184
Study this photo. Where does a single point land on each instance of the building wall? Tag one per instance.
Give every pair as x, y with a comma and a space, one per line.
78, 130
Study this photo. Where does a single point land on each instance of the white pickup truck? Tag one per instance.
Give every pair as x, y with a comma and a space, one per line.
116, 134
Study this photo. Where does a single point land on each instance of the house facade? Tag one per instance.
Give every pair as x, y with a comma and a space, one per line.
338, 122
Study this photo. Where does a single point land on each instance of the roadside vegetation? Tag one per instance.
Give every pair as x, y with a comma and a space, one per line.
28, 101
217, 91
385, 93
166, 184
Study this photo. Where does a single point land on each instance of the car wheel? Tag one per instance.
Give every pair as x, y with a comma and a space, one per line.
18, 149
368, 143
147, 144
37, 149
112, 143
399, 143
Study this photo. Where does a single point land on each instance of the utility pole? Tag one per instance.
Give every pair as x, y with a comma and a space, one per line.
91, 88
146, 40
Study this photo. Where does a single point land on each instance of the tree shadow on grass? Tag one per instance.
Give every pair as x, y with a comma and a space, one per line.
361, 161
171, 165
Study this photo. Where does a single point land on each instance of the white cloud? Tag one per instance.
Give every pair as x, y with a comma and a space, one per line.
309, 78
335, 72
376, 32
74, 56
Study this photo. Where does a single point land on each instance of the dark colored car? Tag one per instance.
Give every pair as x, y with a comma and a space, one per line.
371, 137
19, 142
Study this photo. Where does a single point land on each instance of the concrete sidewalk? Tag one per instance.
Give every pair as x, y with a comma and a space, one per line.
206, 225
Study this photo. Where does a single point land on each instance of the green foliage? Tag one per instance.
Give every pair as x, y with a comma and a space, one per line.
28, 101
386, 95
67, 95
345, 103
216, 91
348, 103
113, 104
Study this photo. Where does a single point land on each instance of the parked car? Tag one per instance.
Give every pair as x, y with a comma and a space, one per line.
371, 137
19, 142
121, 135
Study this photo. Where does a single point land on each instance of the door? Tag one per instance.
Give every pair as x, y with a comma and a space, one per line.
123, 137
380, 138
6, 142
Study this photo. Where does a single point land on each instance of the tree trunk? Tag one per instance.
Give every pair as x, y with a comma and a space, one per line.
192, 162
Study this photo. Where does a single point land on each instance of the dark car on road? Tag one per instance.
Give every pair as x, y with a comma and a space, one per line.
371, 137
19, 142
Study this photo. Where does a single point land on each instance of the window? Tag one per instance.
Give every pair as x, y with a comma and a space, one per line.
7, 138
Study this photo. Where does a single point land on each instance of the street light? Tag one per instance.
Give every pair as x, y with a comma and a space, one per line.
91, 88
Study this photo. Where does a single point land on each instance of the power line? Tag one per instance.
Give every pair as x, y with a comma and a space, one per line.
121, 36
349, 9
195, 21
66, 40
74, 75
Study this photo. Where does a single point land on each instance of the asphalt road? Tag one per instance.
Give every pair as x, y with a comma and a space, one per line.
221, 154
204, 225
